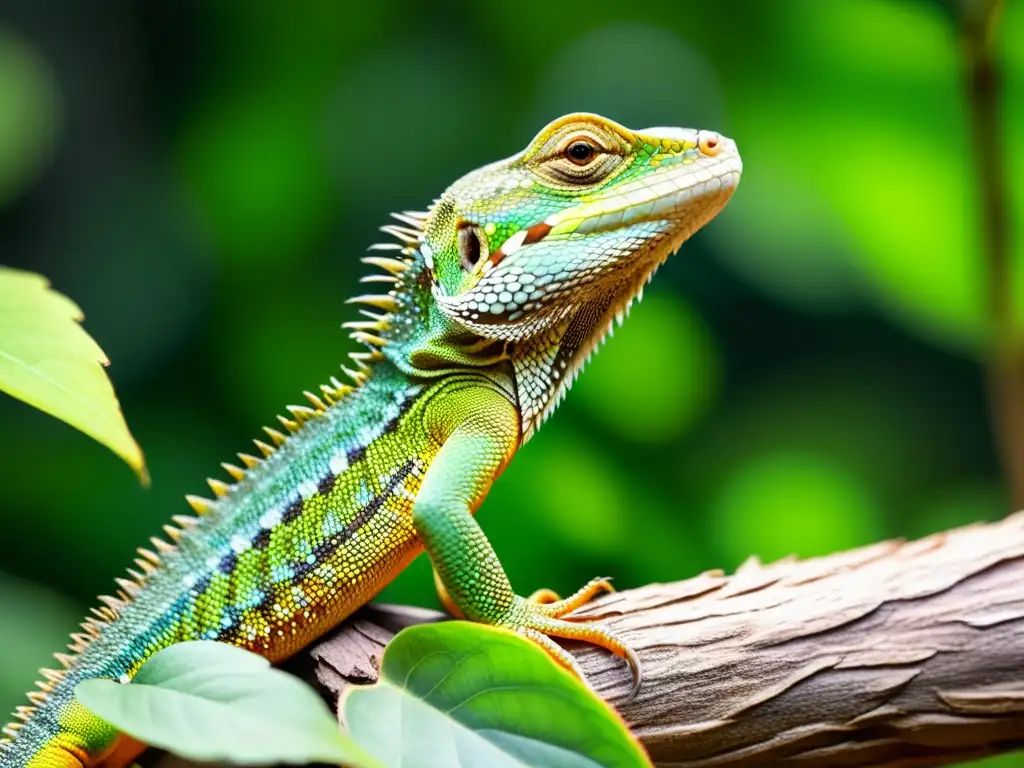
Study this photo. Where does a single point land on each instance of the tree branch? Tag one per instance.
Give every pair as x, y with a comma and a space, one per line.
896, 654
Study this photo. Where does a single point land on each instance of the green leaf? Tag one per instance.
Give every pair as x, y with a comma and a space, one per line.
461, 694
213, 702
49, 361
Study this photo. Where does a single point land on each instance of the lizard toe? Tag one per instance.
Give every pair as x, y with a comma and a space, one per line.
557, 608
534, 621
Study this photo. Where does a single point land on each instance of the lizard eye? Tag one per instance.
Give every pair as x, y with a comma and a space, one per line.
580, 152
578, 157
470, 245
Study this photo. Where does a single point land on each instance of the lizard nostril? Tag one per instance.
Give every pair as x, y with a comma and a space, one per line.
709, 143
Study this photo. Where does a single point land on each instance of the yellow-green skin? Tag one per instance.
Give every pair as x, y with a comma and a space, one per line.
495, 298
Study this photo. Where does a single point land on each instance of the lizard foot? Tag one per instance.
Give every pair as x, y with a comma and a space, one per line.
539, 620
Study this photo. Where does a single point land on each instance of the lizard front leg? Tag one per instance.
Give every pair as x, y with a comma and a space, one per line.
466, 567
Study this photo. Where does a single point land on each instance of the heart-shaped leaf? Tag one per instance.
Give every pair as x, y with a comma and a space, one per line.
49, 361
460, 694
212, 702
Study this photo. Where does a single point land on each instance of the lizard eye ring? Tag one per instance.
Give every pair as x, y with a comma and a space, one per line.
709, 143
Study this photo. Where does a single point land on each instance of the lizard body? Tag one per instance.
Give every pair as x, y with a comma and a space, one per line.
494, 300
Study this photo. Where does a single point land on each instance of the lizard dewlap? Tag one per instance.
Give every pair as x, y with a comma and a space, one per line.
482, 313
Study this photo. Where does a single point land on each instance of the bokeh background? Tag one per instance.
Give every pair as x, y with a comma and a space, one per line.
807, 375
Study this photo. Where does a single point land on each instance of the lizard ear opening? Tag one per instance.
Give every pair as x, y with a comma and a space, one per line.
472, 246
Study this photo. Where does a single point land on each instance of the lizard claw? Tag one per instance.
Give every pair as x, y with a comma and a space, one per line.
540, 621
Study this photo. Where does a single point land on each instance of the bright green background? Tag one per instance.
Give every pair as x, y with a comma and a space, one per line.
201, 177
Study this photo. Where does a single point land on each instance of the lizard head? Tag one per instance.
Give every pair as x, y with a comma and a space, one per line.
586, 212
532, 258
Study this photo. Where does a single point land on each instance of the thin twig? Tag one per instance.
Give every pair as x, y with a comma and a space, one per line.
979, 22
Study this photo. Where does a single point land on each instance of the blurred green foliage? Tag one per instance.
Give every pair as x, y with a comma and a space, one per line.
202, 177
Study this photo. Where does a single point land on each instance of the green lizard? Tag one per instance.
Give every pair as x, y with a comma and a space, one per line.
494, 300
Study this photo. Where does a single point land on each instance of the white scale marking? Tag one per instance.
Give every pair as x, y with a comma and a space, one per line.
338, 463
270, 518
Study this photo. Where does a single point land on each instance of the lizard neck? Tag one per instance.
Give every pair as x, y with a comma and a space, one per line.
424, 343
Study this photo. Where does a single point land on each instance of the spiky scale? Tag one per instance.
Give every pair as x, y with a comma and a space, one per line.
249, 461
408, 235
237, 473
318, 404
365, 358
153, 557
219, 488
357, 376
185, 521
328, 395
160, 545
102, 614
200, 505
382, 301
302, 413
390, 279
385, 247
368, 338
174, 534
146, 566
393, 266
291, 426
129, 587
276, 437
411, 218
264, 448
364, 325
382, 322
111, 602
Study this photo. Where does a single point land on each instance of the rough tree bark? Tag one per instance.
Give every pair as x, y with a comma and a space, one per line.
896, 654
